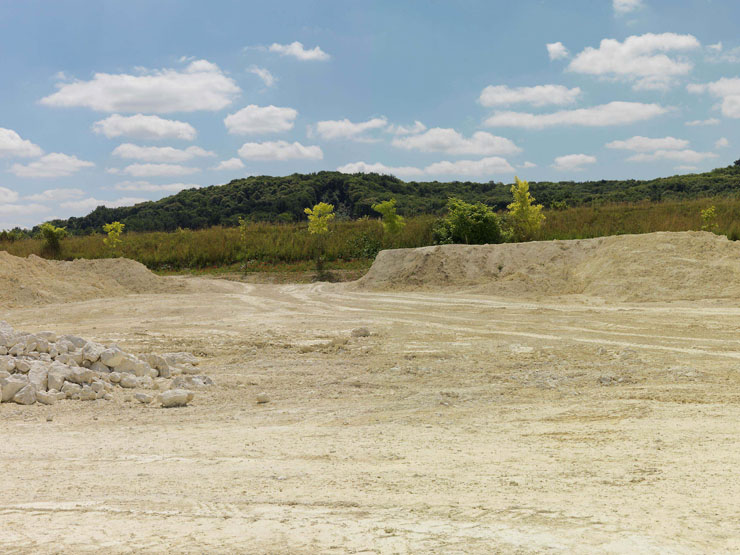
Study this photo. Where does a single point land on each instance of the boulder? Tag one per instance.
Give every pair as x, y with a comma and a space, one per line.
11, 386
46, 397
25, 396
22, 366
71, 390
176, 398
80, 375
128, 381
38, 376
91, 351
7, 363
112, 357
143, 398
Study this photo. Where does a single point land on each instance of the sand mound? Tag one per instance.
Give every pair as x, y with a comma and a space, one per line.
34, 280
651, 267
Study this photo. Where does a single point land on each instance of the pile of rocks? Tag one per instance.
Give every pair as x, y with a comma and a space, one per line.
46, 368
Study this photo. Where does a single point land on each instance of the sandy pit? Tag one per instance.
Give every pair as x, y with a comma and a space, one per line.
465, 422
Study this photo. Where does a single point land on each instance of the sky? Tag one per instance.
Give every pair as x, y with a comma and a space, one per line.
116, 102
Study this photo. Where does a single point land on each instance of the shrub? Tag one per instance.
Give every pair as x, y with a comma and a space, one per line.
471, 224
392, 222
709, 220
52, 239
114, 230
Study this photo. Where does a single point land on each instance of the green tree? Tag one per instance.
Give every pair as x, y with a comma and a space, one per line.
114, 230
393, 224
318, 225
709, 220
52, 239
524, 217
472, 224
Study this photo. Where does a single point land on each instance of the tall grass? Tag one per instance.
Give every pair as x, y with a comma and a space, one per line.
279, 244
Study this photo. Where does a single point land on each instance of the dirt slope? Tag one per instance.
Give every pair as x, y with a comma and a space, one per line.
650, 267
33, 280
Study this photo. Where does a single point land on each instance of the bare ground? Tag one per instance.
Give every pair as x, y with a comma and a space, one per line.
463, 424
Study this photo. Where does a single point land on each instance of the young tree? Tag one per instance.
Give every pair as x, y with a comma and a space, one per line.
318, 225
114, 230
393, 224
524, 217
709, 220
52, 238
471, 224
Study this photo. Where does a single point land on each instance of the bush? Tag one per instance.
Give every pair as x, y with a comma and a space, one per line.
525, 218
52, 239
392, 222
470, 224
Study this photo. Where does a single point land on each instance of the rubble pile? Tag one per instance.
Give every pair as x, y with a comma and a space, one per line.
46, 368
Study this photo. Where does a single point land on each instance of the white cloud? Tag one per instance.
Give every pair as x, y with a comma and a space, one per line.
728, 89
200, 86
722, 143
573, 162
152, 170
687, 156
647, 144
363, 167
622, 7
11, 145
91, 203
450, 141
641, 60
700, 122
716, 47
484, 166
260, 119
418, 127
557, 51
230, 164
345, 129
267, 78
55, 195
614, 113
151, 187
280, 150
296, 50
527, 165
7, 196
9, 210
55, 164
159, 154
149, 128
540, 95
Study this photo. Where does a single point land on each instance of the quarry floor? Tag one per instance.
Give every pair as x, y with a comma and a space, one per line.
462, 424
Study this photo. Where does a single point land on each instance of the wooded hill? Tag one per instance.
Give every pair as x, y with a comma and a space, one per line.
267, 198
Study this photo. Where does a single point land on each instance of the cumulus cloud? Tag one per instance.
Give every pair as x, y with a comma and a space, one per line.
296, 50
418, 127
345, 129
200, 86
701, 122
527, 165
260, 119
613, 113
484, 166
153, 170
688, 156
641, 60
55, 164
90, 203
280, 150
267, 78
450, 141
7, 195
540, 95
647, 144
148, 128
573, 162
364, 167
56, 195
152, 187
622, 7
557, 51
13, 146
11, 210
230, 164
160, 153
727, 89
722, 143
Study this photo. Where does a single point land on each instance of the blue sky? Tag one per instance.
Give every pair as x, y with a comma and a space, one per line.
116, 102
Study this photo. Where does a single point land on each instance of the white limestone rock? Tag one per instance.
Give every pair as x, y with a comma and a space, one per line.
26, 395
12, 385
112, 357
176, 398
46, 397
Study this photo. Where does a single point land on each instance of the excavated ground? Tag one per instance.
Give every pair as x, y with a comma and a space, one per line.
463, 424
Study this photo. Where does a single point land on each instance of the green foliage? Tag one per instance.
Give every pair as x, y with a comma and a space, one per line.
51, 237
114, 230
13, 235
472, 224
392, 222
709, 220
524, 218
319, 218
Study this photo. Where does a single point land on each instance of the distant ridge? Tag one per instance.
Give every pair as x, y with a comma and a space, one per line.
266, 198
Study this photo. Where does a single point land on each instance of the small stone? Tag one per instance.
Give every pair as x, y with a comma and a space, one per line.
176, 398
360, 332
49, 417
114, 377
262, 398
46, 398
108, 397
143, 398
128, 381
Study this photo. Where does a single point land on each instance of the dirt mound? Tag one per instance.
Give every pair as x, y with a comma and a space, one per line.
650, 267
34, 280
